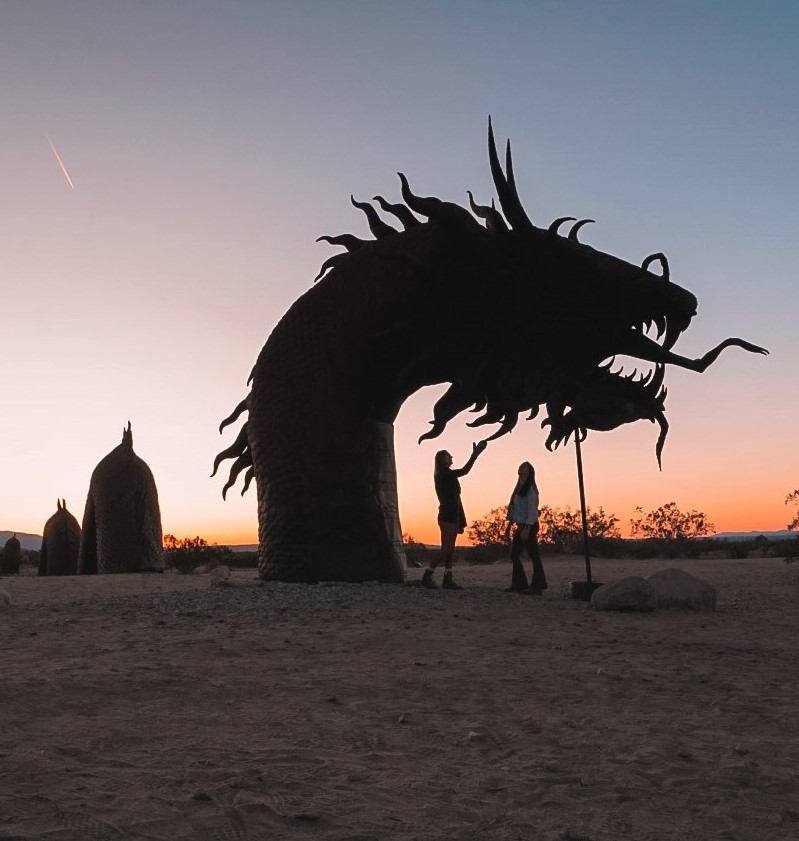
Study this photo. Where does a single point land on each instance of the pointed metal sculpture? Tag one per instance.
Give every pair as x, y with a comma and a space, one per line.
122, 520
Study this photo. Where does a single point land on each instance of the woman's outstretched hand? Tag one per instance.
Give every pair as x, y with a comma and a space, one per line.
478, 448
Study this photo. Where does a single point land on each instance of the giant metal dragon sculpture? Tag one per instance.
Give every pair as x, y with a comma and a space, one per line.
511, 315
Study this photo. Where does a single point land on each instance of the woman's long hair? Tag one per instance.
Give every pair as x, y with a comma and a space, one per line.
528, 483
439, 462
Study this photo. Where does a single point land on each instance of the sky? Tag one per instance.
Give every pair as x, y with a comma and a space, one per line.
210, 144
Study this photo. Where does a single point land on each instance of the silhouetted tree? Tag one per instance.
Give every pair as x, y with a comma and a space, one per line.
188, 553
416, 554
561, 527
669, 523
793, 496
490, 530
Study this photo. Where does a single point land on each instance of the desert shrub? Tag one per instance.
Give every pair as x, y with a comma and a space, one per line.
490, 530
607, 547
242, 560
417, 554
562, 528
787, 548
488, 553
185, 555
669, 523
793, 496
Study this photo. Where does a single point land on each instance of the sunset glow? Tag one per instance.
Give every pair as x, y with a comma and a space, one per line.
224, 141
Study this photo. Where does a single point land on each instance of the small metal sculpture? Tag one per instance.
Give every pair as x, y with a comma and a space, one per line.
511, 315
60, 543
122, 520
11, 556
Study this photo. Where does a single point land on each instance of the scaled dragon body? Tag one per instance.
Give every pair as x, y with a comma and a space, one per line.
513, 316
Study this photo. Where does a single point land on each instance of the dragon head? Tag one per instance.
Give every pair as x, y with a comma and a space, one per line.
537, 315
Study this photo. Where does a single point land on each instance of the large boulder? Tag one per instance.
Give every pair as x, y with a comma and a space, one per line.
631, 593
676, 589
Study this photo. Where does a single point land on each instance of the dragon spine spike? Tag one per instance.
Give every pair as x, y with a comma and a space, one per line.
418, 204
402, 213
493, 219
234, 415
330, 263
244, 460
575, 229
553, 228
377, 226
235, 450
446, 213
248, 476
350, 242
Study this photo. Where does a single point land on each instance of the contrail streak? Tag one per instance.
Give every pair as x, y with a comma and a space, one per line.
61, 164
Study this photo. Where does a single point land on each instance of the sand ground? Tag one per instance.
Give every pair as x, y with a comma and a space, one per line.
129, 710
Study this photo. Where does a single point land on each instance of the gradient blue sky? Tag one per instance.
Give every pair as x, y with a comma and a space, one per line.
211, 143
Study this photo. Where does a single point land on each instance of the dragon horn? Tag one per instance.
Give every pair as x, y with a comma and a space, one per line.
506, 185
660, 258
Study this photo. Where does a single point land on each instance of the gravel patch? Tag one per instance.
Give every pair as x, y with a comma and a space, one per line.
275, 599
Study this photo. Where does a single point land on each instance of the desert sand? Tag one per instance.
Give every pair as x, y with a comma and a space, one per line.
189, 707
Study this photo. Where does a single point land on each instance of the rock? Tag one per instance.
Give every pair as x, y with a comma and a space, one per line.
676, 589
220, 573
631, 593
5, 599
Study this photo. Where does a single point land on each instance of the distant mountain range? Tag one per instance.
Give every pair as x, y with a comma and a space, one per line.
785, 534
30, 542
33, 542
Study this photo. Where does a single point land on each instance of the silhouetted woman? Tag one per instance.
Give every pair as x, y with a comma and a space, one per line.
451, 518
523, 521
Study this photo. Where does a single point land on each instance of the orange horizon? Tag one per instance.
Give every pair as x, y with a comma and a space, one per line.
428, 532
